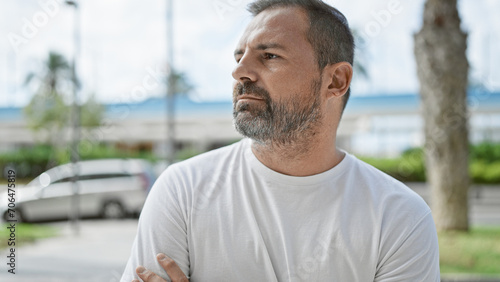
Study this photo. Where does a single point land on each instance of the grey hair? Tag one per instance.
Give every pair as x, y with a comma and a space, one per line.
329, 32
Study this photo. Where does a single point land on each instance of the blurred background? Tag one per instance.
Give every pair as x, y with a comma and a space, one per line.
125, 88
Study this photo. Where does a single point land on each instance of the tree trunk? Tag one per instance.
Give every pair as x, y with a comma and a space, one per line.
442, 68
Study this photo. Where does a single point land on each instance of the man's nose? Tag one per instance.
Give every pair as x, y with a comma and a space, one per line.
245, 70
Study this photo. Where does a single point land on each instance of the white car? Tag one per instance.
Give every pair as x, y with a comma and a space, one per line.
109, 188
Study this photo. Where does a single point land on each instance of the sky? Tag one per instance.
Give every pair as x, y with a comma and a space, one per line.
124, 44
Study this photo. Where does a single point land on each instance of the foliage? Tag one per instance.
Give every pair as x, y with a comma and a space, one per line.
91, 151
91, 113
49, 110
477, 251
484, 164
486, 151
30, 162
407, 168
181, 83
55, 72
484, 172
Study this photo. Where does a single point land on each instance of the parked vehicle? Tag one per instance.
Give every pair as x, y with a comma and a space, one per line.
109, 188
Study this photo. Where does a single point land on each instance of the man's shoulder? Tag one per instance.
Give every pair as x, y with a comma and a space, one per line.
217, 155
210, 161
371, 175
394, 207
384, 188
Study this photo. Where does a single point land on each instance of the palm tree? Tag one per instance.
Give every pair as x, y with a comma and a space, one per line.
47, 109
442, 68
181, 83
56, 69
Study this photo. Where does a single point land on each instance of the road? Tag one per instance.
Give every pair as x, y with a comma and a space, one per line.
101, 250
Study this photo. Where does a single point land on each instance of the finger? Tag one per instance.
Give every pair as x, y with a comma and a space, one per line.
173, 270
148, 275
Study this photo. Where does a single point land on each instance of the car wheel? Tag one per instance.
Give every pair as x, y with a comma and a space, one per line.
113, 210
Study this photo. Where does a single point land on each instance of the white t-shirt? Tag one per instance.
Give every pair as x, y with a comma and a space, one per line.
224, 216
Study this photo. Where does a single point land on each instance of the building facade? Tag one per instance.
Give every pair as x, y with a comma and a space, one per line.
382, 125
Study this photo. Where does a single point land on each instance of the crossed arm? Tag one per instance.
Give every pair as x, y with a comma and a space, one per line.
172, 269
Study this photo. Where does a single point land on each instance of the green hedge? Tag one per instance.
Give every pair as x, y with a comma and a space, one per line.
409, 167
484, 164
30, 162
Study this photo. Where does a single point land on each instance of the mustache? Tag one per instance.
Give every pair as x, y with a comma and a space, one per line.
251, 88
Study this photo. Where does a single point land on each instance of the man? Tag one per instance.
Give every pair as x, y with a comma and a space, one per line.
285, 204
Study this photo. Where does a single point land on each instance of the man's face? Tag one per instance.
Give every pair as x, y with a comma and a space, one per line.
277, 81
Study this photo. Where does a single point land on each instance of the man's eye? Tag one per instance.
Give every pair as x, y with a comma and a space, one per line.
269, 56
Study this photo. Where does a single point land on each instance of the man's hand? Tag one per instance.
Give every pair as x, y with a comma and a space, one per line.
172, 269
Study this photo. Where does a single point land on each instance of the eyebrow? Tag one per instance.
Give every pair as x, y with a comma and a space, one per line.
262, 46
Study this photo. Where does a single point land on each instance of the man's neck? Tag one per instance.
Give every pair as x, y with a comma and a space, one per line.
299, 158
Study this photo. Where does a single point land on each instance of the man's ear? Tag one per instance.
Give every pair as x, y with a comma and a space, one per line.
338, 77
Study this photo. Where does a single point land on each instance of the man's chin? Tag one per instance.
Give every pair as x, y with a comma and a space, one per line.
246, 114
242, 118
246, 123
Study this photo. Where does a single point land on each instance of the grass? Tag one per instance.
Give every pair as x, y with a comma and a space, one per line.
476, 252
25, 233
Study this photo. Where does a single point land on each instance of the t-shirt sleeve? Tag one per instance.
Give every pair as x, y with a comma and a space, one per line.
414, 257
162, 228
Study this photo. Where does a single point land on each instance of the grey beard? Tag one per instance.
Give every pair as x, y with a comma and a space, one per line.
284, 123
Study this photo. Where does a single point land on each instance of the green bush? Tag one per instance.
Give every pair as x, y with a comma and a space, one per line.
404, 169
30, 162
484, 164
409, 167
91, 151
492, 173
484, 172
488, 152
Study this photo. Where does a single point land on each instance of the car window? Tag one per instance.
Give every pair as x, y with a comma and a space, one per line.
54, 175
103, 176
93, 177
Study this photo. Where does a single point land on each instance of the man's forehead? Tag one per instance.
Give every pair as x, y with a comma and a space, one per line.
276, 24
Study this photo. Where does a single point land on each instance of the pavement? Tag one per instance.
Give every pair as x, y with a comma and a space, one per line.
98, 253
484, 203
101, 249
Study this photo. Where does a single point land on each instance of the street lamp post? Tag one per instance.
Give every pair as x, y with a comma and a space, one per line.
170, 98
75, 157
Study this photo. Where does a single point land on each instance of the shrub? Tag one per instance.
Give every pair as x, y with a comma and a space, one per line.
488, 152
407, 169
30, 162
484, 164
